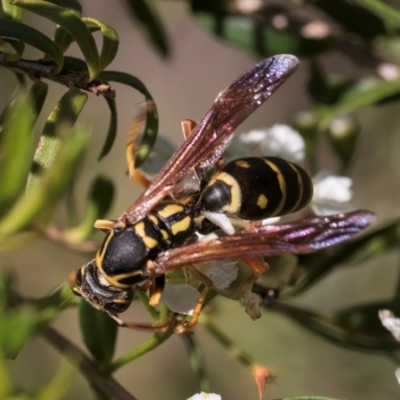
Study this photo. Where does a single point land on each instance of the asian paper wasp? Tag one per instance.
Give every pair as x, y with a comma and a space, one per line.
156, 234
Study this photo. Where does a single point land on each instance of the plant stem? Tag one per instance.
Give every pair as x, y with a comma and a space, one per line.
103, 383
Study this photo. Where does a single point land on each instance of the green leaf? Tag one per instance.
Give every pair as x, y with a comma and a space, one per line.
325, 89
363, 321
110, 42
112, 128
353, 17
73, 25
10, 12
150, 23
64, 114
38, 94
361, 95
99, 333
34, 38
151, 129
254, 33
197, 363
38, 204
96, 207
61, 37
17, 327
384, 11
59, 385
15, 150
356, 328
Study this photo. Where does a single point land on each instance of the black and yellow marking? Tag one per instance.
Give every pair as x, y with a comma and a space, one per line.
256, 188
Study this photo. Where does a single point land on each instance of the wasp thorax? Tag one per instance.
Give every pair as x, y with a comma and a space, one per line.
92, 286
256, 188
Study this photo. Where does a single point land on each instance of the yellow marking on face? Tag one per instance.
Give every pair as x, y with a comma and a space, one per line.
121, 301
169, 210
236, 194
262, 201
164, 234
153, 219
181, 226
116, 280
282, 186
242, 164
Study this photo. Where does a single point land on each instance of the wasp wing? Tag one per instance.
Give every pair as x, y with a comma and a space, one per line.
300, 237
210, 137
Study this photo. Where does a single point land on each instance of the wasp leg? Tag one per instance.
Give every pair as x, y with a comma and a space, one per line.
187, 127
156, 290
131, 147
105, 225
208, 285
259, 267
144, 327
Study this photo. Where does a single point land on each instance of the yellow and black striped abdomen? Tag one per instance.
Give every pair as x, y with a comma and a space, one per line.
255, 188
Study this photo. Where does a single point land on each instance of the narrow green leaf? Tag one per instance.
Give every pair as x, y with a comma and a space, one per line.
6, 386
146, 15
17, 327
64, 114
363, 320
151, 129
15, 150
97, 206
99, 333
197, 361
353, 18
253, 33
41, 200
112, 128
57, 388
363, 94
61, 37
110, 41
382, 10
17, 46
73, 25
331, 327
38, 93
34, 38
11, 12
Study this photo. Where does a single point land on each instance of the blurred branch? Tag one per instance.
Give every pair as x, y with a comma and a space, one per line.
106, 384
42, 69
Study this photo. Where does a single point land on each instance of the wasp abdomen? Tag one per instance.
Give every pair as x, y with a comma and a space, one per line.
255, 188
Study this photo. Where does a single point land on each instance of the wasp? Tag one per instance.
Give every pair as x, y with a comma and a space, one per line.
158, 232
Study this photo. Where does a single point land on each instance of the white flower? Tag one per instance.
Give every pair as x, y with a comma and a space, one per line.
181, 299
331, 194
279, 140
390, 322
205, 396
283, 141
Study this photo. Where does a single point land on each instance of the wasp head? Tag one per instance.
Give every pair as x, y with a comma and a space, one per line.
90, 284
